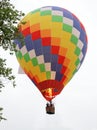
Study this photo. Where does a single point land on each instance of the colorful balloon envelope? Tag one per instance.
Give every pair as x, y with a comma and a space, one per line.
54, 47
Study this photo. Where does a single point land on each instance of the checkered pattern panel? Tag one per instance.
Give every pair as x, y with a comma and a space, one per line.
55, 45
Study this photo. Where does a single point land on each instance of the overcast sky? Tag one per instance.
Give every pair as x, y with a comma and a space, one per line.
76, 106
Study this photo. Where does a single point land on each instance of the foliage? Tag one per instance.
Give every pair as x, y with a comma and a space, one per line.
9, 18
1, 118
5, 72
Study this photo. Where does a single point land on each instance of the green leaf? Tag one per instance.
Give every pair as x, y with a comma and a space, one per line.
9, 19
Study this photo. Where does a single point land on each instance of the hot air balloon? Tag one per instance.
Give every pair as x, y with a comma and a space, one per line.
55, 44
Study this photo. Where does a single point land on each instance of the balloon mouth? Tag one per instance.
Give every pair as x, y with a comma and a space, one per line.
48, 98
50, 88
48, 94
